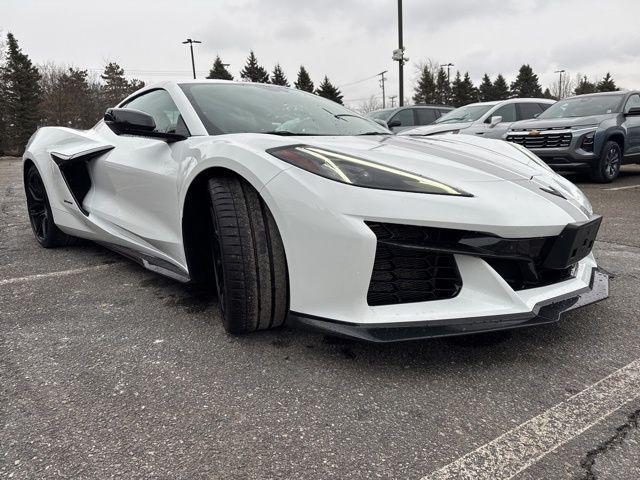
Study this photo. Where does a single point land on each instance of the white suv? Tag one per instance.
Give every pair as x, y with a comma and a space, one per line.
487, 119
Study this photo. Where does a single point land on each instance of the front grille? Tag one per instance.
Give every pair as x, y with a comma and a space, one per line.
547, 140
417, 264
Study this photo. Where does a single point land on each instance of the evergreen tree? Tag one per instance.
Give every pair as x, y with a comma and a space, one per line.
526, 84
21, 96
486, 89
425, 90
327, 90
253, 72
116, 86
443, 87
607, 84
585, 86
500, 88
219, 71
304, 81
462, 90
278, 77
547, 94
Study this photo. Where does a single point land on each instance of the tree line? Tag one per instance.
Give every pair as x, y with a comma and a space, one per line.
434, 87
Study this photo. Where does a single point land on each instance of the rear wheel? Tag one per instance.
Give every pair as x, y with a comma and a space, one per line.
249, 261
46, 232
607, 168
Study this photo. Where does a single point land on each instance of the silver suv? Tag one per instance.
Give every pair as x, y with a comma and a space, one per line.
488, 119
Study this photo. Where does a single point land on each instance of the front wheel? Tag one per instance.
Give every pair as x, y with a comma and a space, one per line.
607, 167
248, 255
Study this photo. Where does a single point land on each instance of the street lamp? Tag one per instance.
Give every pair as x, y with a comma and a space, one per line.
560, 84
448, 65
398, 56
193, 63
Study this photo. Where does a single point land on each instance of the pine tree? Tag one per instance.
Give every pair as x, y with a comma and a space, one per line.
547, 94
327, 90
607, 84
116, 86
21, 97
585, 86
486, 89
304, 81
462, 90
219, 71
253, 72
278, 77
443, 87
500, 88
526, 84
425, 90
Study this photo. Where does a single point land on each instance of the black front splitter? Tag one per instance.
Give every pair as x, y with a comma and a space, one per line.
544, 312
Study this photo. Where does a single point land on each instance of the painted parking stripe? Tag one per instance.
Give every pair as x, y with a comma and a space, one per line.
623, 188
521, 447
62, 273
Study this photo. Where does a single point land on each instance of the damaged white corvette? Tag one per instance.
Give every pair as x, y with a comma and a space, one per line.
299, 210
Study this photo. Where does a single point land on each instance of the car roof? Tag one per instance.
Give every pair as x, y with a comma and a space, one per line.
615, 92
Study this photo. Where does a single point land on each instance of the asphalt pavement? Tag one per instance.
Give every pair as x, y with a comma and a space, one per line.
111, 371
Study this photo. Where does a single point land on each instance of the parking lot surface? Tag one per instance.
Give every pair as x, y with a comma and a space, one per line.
110, 371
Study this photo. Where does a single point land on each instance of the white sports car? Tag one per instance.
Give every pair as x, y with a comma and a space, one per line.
299, 210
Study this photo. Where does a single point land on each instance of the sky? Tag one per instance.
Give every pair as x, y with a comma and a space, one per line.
350, 41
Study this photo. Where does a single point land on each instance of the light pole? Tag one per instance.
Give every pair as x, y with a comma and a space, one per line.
398, 56
382, 79
193, 63
448, 65
560, 84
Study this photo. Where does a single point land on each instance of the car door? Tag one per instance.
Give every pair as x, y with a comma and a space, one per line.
402, 120
135, 186
632, 124
508, 114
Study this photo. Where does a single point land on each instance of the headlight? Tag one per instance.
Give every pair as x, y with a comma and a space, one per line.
587, 142
359, 172
575, 193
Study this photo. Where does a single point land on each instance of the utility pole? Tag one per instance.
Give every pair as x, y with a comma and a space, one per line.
193, 63
393, 100
560, 84
448, 65
382, 79
401, 60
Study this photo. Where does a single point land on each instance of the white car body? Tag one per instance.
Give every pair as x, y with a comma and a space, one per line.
139, 186
486, 126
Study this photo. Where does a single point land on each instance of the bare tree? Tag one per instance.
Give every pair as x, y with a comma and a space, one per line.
369, 105
562, 89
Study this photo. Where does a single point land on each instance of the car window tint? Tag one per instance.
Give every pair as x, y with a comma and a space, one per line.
405, 117
507, 112
633, 102
160, 106
528, 110
426, 115
544, 106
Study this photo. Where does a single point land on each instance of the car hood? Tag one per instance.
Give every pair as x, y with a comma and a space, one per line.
436, 128
560, 122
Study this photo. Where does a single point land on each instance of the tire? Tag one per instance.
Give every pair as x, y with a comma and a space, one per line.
44, 229
607, 168
249, 260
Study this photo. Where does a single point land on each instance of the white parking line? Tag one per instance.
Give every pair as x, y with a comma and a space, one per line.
521, 447
623, 188
62, 273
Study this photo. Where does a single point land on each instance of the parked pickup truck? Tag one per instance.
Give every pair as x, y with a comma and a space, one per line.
596, 133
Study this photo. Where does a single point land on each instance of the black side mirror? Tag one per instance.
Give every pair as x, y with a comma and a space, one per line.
394, 123
633, 112
127, 121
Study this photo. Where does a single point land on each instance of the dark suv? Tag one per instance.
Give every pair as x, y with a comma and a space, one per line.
401, 118
596, 133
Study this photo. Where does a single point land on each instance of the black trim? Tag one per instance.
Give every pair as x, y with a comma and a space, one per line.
548, 311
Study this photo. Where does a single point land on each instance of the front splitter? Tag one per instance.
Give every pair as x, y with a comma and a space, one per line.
549, 311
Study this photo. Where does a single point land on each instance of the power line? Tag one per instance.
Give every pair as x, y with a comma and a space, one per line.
358, 81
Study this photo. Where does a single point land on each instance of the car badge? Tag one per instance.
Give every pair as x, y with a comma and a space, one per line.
534, 133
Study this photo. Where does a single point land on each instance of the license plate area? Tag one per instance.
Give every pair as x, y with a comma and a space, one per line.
573, 244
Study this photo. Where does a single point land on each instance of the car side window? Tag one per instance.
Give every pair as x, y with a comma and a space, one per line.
528, 110
507, 112
160, 105
405, 117
633, 102
544, 106
426, 115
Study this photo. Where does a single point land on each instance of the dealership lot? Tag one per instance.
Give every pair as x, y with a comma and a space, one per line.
109, 370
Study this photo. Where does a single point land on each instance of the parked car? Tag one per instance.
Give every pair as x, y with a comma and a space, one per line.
596, 133
489, 119
295, 209
401, 118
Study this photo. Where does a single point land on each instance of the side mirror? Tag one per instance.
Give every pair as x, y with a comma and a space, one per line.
394, 123
495, 120
127, 121
633, 112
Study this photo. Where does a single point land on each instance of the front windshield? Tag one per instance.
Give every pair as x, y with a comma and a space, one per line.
584, 106
254, 108
380, 114
470, 113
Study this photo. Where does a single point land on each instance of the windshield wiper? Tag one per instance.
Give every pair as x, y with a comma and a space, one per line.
286, 133
373, 133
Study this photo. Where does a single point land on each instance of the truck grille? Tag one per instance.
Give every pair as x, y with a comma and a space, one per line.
545, 140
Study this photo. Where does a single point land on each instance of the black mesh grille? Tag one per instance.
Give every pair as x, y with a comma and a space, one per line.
552, 140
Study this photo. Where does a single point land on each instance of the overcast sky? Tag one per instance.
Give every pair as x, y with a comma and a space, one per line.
348, 40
